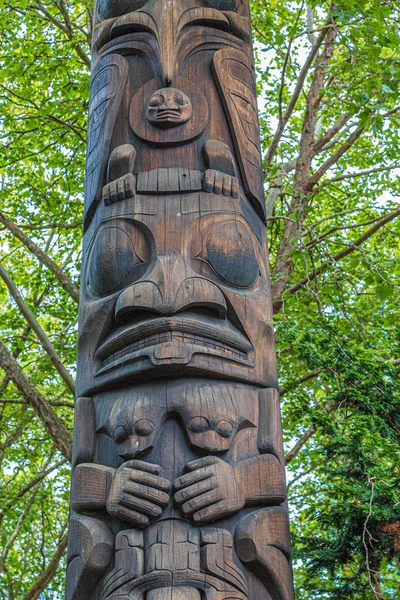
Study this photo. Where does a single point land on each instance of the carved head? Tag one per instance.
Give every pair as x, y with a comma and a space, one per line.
210, 420
168, 107
134, 425
177, 286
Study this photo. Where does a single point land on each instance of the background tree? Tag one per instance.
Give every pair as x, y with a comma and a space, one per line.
328, 92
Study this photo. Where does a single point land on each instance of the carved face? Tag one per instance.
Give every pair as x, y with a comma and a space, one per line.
168, 107
209, 420
182, 290
134, 425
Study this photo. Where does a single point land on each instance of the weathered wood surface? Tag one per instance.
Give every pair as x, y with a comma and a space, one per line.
178, 487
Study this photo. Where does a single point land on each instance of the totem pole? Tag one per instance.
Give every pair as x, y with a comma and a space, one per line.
178, 486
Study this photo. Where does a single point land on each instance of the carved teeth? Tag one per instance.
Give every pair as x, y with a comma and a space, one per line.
189, 328
176, 337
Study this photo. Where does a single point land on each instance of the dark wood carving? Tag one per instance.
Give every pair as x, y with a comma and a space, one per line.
178, 486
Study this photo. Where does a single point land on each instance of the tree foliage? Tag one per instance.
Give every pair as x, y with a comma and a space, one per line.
328, 78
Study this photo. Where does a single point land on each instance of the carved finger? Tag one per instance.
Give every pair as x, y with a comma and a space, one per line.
106, 195
199, 463
201, 501
140, 505
195, 490
129, 516
196, 476
147, 493
227, 185
113, 191
148, 479
210, 513
235, 187
143, 466
209, 180
218, 182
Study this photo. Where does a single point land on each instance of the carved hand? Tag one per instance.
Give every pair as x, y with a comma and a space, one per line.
120, 189
220, 183
138, 494
209, 491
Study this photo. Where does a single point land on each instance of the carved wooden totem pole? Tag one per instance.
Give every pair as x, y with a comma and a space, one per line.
178, 487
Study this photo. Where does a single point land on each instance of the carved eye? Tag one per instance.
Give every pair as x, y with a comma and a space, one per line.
112, 259
180, 101
230, 252
144, 427
120, 434
224, 428
156, 100
115, 8
223, 4
199, 424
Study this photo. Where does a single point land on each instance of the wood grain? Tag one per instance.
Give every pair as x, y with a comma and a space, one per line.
178, 486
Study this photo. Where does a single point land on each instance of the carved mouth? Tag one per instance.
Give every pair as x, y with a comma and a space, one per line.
173, 339
168, 114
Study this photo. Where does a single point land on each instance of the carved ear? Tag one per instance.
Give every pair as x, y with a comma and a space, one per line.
270, 424
83, 444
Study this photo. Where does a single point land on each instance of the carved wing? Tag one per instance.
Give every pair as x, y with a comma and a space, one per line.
236, 83
107, 87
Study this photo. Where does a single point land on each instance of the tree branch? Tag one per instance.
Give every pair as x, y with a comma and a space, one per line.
351, 248
332, 160
44, 258
40, 333
319, 145
276, 186
51, 422
47, 575
306, 436
51, 402
362, 173
303, 379
17, 529
295, 96
29, 486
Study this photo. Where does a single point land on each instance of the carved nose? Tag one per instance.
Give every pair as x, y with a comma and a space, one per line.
144, 295
168, 289
169, 104
197, 292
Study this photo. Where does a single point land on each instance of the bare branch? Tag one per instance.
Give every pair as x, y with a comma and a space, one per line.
55, 225
310, 26
66, 28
